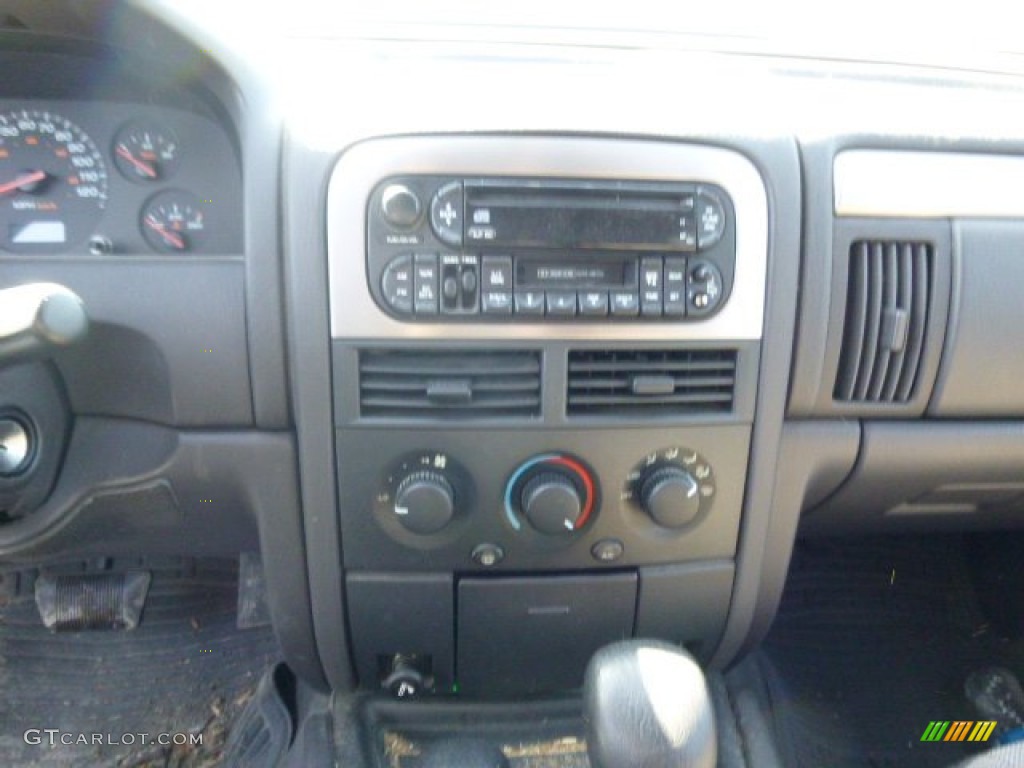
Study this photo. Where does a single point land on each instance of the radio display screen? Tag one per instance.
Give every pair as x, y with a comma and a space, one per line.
574, 218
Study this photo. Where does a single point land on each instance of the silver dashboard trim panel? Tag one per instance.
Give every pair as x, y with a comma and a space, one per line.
355, 315
904, 184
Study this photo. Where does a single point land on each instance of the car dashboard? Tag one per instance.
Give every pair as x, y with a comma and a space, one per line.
499, 350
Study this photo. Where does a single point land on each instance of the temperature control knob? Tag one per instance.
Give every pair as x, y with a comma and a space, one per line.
424, 502
554, 493
551, 503
671, 496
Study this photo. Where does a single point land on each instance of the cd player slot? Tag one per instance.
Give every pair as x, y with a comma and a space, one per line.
591, 217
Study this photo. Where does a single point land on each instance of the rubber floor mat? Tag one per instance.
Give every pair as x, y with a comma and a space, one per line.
874, 640
87, 698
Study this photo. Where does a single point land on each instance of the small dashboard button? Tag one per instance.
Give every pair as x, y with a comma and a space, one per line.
530, 302
607, 550
397, 284
561, 303
496, 302
651, 285
675, 286
593, 303
425, 283
710, 216
624, 303
496, 273
446, 213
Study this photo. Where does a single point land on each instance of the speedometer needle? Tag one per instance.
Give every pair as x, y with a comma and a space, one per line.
140, 166
176, 240
25, 180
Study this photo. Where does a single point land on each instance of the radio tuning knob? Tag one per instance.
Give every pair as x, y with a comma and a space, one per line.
400, 206
671, 496
424, 502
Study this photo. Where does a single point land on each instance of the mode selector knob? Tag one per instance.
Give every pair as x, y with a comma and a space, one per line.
552, 503
425, 502
400, 206
670, 495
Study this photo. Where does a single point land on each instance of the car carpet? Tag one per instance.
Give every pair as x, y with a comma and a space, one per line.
873, 640
186, 669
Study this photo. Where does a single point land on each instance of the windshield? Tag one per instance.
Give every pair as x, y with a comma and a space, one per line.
976, 36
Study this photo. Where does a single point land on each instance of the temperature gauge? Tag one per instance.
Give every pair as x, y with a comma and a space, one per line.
173, 222
145, 153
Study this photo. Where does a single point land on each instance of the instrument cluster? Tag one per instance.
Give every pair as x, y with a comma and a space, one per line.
116, 179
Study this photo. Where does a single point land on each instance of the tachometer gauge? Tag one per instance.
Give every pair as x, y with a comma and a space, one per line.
173, 222
145, 153
53, 182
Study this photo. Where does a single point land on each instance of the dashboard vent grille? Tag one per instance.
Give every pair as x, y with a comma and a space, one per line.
887, 308
449, 384
658, 382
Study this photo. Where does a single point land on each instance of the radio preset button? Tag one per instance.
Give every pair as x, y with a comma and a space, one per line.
675, 286
593, 303
397, 284
562, 303
446, 213
530, 302
651, 285
624, 303
710, 219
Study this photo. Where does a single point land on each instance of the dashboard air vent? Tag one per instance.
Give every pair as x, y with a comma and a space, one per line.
658, 382
887, 308
443, 384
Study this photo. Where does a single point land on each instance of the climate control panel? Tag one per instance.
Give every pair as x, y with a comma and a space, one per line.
451, 506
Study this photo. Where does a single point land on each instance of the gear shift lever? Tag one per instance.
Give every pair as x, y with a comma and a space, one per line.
646, 705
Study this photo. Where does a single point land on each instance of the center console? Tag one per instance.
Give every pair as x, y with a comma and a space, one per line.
545, 357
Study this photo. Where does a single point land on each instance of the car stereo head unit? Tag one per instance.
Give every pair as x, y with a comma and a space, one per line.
441, 248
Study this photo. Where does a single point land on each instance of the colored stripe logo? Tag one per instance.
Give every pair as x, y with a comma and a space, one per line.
958, 730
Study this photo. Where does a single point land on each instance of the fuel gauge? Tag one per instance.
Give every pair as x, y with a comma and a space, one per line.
145, 153
173, 222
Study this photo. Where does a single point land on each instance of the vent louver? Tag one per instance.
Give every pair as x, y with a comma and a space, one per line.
658, 382
449, 384
887, 309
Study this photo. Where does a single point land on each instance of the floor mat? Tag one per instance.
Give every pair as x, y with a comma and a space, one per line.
874, 640
186, 670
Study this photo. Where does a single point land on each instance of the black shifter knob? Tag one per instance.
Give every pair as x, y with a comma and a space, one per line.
646, 705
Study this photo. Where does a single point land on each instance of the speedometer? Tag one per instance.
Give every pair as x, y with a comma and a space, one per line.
53, 182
